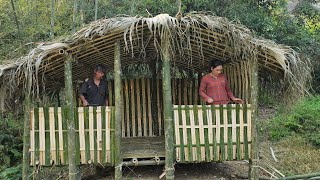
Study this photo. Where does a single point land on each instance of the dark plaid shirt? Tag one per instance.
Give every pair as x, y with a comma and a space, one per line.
95, 95
216, 88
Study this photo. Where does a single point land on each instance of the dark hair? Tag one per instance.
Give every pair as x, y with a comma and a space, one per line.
214, 63
100, 67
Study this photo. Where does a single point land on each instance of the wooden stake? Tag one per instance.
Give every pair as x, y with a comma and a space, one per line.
118, 115
73, 172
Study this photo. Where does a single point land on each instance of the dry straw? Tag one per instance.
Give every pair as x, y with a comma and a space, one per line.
194, 39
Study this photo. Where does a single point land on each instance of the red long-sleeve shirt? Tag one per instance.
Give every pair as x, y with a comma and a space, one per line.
216, 88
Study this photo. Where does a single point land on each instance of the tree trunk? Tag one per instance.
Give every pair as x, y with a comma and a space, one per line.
167, 109
75, 9
81, 14
95, 9
15, 15
73, 172
253, 164
118, 114
26, 137
52, 18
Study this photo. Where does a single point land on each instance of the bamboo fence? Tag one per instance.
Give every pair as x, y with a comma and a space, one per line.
94, 128
206, 133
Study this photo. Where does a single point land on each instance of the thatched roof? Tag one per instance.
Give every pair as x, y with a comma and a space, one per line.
194, 39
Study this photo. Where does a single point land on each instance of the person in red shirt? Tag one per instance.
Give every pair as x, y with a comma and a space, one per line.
214, 87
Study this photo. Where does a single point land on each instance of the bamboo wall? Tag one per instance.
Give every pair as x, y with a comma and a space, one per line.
212, 133
142, 103
239, 77
49, 141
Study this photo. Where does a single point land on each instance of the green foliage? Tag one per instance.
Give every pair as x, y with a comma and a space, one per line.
11, 129
303, 120
11, 173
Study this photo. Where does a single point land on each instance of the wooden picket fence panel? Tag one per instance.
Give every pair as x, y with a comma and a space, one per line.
49, 139
205, 133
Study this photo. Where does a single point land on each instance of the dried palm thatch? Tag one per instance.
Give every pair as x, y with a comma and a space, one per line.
194, 40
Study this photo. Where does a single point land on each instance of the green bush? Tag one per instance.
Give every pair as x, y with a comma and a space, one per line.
303, 119
11, 146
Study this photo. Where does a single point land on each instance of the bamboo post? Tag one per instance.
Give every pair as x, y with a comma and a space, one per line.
118, 115
253, 170
26, 136
167, 110
73, 172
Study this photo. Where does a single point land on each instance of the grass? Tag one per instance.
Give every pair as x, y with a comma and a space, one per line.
303, 119
294, 154
294, 136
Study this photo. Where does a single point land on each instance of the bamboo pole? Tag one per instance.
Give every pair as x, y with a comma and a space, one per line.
253, 170
118, 115
26, 135
73, 172
167, 110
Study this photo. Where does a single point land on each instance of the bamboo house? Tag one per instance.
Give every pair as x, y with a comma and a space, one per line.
155, 115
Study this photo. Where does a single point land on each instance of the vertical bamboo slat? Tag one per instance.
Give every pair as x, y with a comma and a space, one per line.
249, 120
193, 134
209, 116
177, 135
138, 109
159, 108
133, 109
234, 130
56, 119
32, 136
52, 135
47, 135
37, 136
183, 135
61, 138
179, 91
42, 136
99, 134
108, 134
241, 131
218, 133
144, 107
123, 129
201, 134
95, 134
87, 134
82, 135
229, 125
91, 133
126, 92
149, 108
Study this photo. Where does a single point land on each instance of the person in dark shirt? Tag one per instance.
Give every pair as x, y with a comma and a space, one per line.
214, 87
93, 91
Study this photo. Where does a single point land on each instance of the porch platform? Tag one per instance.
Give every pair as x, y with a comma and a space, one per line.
142, 147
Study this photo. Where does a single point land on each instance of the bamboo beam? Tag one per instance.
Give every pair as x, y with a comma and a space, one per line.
26, 135
167, 109
253, 170
118, 106
73, 172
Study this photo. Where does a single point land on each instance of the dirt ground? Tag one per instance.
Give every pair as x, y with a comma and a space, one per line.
226, 170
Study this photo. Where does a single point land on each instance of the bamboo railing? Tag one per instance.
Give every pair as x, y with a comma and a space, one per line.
94, 133
212, 133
